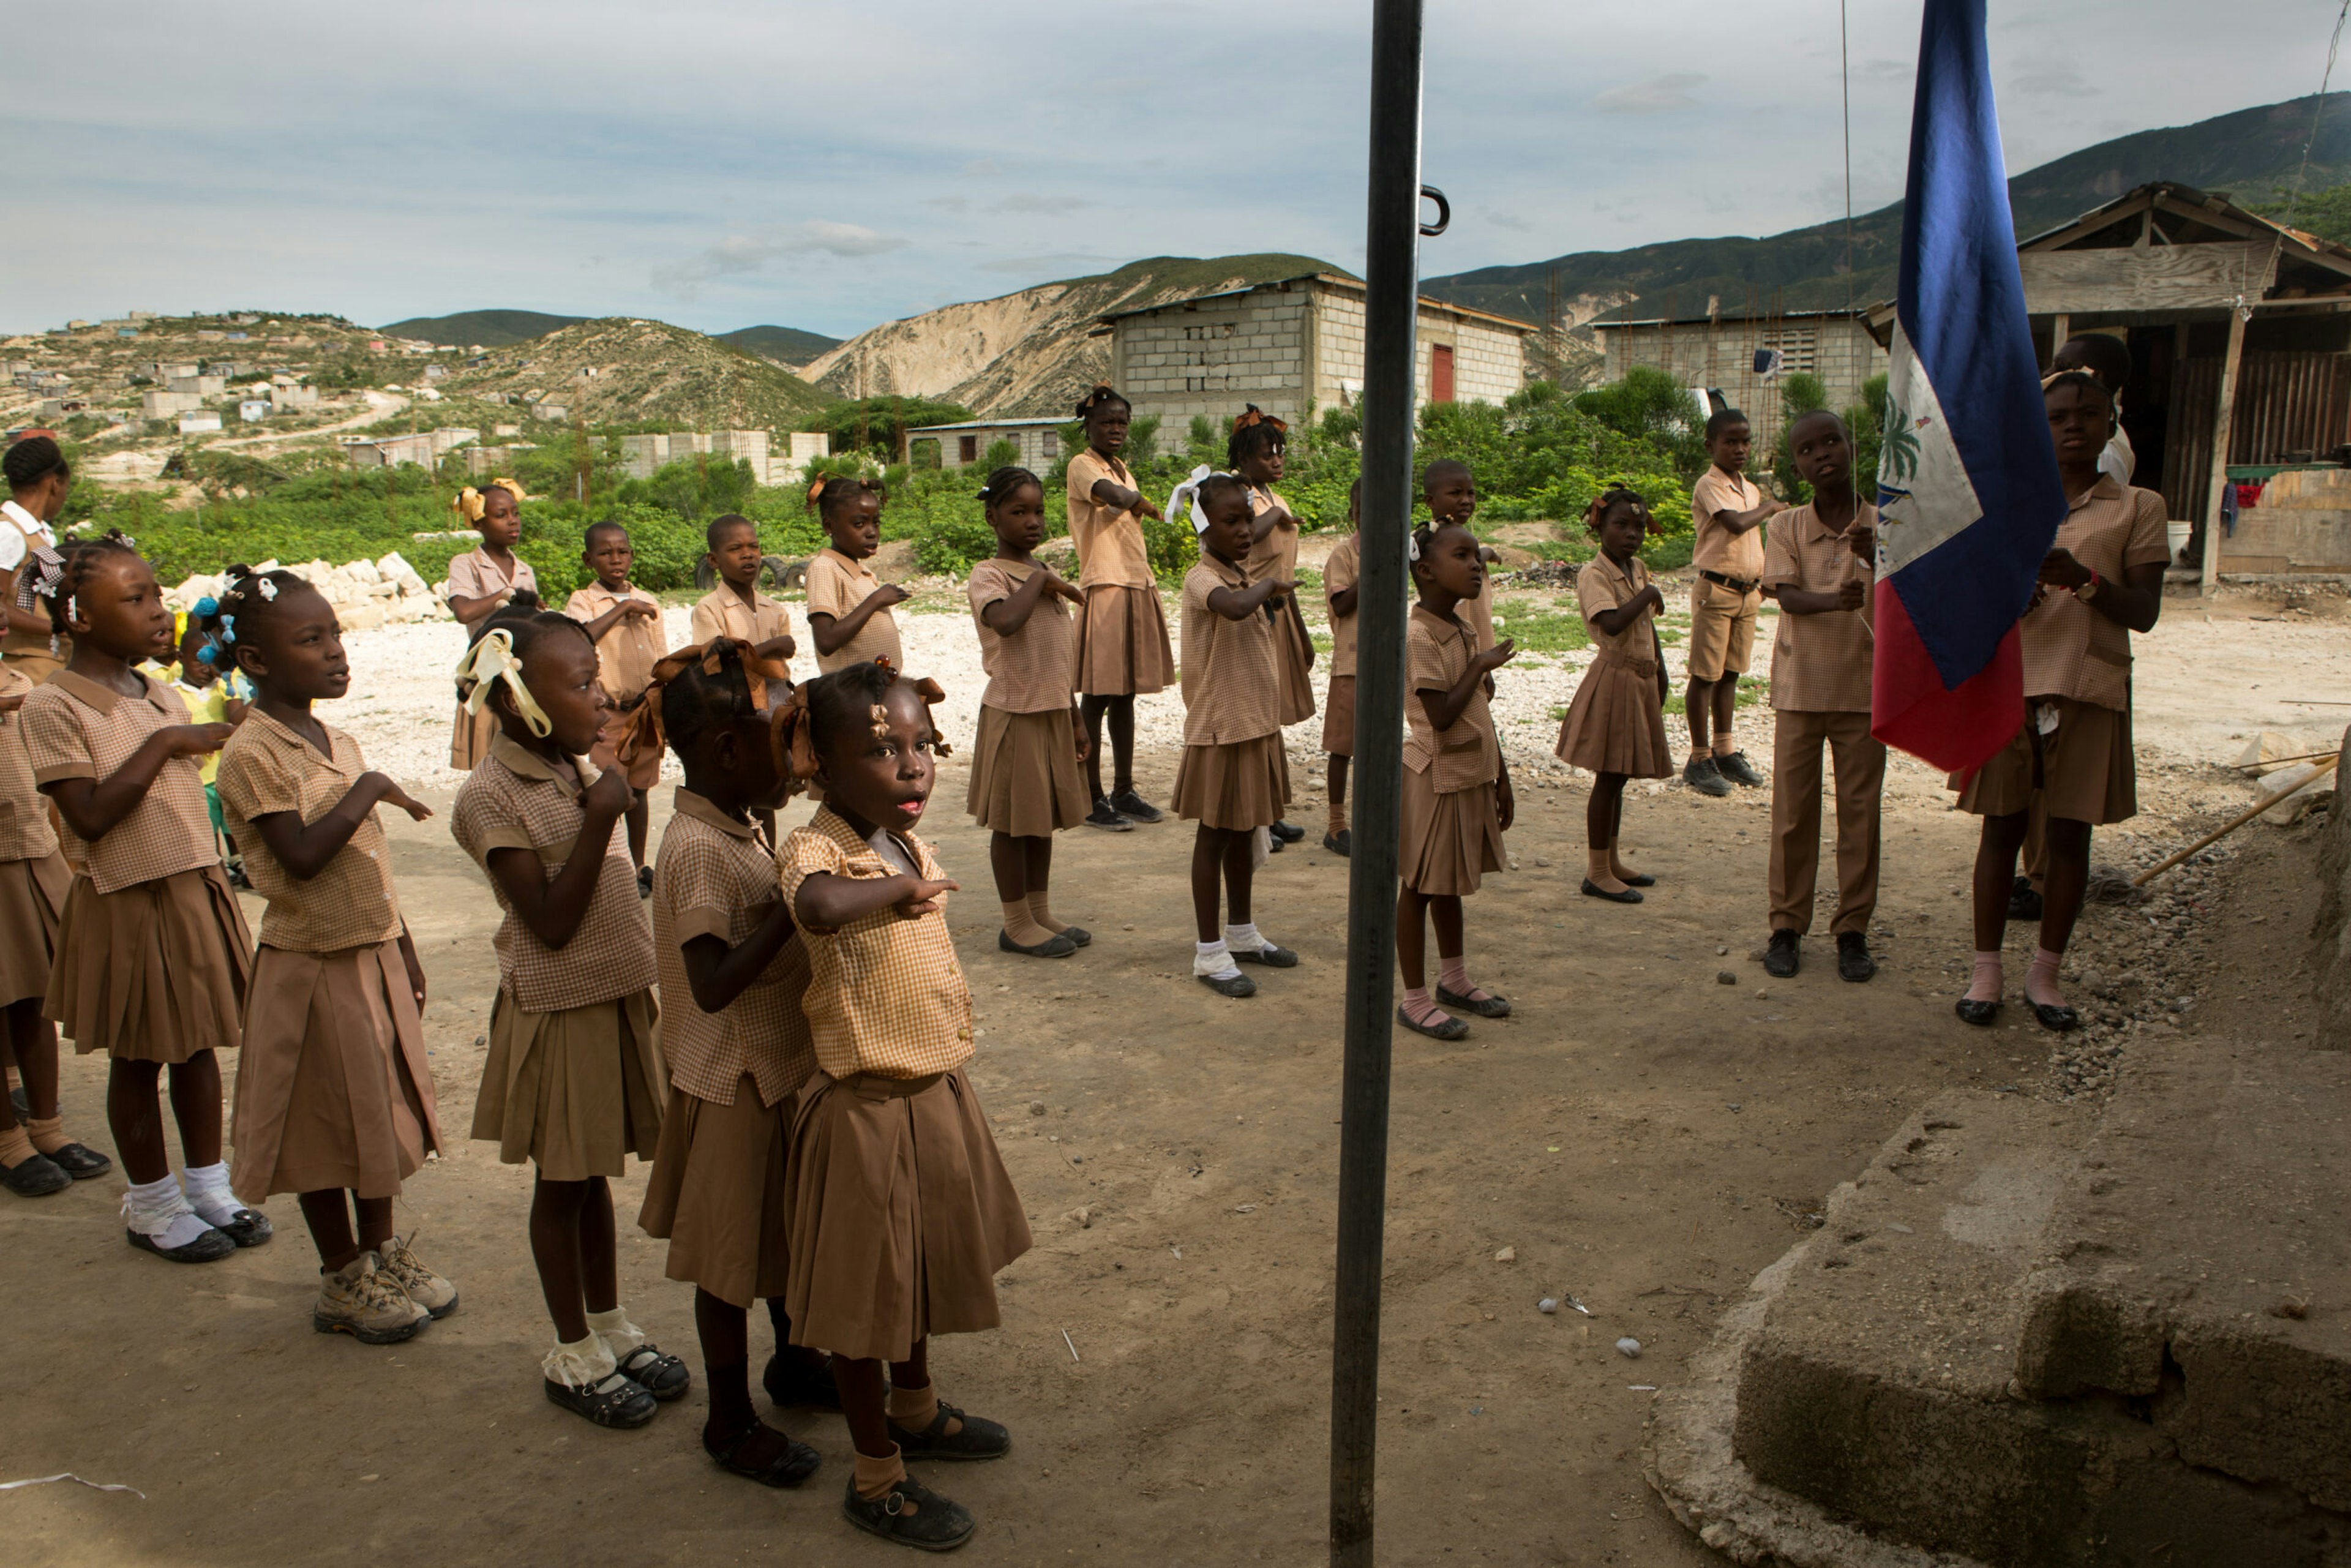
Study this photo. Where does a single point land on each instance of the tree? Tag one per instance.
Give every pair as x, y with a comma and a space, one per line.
875, 424
2327, 214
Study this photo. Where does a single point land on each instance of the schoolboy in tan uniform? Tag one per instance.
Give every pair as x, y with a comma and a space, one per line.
625, 622
1728, 513
736, 608
1817, 564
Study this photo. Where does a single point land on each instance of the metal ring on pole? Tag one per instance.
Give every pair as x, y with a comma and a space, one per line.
1444, 212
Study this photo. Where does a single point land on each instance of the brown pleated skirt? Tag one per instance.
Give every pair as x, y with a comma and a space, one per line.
1339, 718
1615, 723
644, 775
1293, 658
2084, 768
1449, 840
902, 1214
1024, 773
1123, 647
576, 1092
470, 737
32, 903
1242, 785
717, 1194
153, 972
332, 1087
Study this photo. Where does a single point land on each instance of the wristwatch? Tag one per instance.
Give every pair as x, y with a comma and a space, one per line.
2089, 589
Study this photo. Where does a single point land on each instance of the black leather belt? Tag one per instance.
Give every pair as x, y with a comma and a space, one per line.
1743, 586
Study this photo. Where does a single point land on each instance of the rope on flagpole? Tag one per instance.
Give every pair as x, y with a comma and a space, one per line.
1845, 78
2244, 300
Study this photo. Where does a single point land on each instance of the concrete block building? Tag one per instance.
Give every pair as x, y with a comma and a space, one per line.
1300, 340
1716, 352
962, 445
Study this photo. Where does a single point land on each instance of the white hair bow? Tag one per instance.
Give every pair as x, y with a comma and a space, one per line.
493, 660
1187, 497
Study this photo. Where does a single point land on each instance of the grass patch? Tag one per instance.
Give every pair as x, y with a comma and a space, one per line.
1543, 631
1752, 689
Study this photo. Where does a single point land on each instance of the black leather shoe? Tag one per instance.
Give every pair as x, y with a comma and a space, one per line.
1704, 777
1051, 948
1271, 957
978, 1438
1127, 803
1594, 890
1287, 833
1981, 1014
795, 1384
1232, 985
911, 1514
1105, 816
1738, 769
1853, 962
1341, 844
80, 1162
2023, 901
2058, 1017
1780, 958
35, 1176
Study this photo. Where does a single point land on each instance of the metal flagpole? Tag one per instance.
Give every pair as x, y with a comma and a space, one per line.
1391, 277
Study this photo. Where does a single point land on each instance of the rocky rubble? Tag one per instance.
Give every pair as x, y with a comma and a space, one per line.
365, 593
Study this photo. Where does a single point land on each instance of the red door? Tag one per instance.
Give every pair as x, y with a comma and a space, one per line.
1440, 373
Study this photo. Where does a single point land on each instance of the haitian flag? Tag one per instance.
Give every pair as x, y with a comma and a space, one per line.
1968, 496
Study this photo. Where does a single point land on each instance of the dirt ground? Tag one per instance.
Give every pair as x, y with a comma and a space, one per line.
1645, 1138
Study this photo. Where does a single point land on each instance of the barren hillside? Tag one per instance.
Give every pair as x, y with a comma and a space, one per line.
1027, 353
621, 368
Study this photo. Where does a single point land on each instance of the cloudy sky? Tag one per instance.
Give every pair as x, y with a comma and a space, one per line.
724, 163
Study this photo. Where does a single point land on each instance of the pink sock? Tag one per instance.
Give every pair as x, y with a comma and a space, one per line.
2040, 980
1987, 984
1453, 974
1420, 1008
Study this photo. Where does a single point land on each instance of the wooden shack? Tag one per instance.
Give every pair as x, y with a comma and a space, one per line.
2240, 333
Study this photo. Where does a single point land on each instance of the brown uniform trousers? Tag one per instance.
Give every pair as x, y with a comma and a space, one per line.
1796, 816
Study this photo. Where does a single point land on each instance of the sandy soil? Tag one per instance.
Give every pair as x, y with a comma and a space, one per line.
1644, 1136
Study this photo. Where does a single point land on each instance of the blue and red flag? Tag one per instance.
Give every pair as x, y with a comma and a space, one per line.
1967, 489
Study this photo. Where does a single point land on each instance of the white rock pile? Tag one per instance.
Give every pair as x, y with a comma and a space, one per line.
365, 593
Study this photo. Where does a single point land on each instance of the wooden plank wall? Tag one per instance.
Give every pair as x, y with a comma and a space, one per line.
2286, 402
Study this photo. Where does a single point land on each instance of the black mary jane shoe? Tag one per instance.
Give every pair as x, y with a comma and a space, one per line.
616, 1402
1233, 984
2057, 1019
1287, 833
789, 1467
1489, 1007
35, 1176
1051, 947
1078, 935
911, 1514
1271, 957
1782, 957
1341, 844
247, 1228
81, 1161
801, 1386
1979, 1014
1594, 890
1638, 878
1451, 1028
662, 1376
1854, 960
979, 1439
210, 1247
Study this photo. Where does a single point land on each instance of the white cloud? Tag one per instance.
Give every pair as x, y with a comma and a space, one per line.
1065, 264
749, 253
1658, 95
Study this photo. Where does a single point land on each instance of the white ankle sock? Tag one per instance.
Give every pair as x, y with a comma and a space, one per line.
619, 1335
1213, 960
160, 1211
1244, 936
208, 1190
584, 1363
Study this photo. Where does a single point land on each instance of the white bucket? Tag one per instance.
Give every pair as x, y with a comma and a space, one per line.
2177, 533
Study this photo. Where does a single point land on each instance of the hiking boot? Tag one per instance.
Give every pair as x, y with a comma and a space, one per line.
1127, 803
1853, 962
1105, 816
364, 1302
1701, 775
1780, 958
1738, 769
421, 1284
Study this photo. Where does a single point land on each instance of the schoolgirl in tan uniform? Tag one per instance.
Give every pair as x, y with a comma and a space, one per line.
1256, 450
1456, 789
1025, 781
1234, 777
334, 1094
2103, 579
625, 622
732, 972
36, 1158
1123, 649
153, 958
1342, 575
848, 609
482, 582
574, 1079
1616, 723
1818, 563
902, 1212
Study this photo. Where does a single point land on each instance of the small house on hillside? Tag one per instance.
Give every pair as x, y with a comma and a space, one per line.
2239, 334
1299, 340
1719, 350
1038, 441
